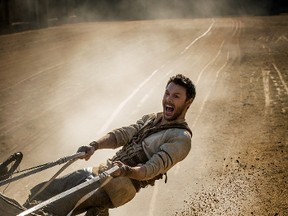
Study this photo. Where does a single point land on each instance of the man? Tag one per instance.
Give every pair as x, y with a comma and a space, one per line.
150, 147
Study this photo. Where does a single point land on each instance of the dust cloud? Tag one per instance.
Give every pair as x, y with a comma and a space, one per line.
70, 84
148, 9
60, 85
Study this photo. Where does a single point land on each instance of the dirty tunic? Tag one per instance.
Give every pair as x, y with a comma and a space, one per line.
163, 149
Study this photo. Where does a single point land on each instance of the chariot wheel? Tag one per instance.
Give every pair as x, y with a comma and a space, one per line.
8, 167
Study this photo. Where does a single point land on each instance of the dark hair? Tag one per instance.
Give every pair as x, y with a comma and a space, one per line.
184, 81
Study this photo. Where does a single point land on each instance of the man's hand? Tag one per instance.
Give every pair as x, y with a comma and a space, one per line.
124, 170
138, 172
89, 151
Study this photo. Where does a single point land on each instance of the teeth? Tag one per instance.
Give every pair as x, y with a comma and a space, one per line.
169, 108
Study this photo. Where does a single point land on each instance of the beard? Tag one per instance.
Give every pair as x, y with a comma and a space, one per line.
172, 114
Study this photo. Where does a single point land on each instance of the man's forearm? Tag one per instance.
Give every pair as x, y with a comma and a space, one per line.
106, 142
138, 173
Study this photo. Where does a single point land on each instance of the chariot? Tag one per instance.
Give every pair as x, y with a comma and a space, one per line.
8, 174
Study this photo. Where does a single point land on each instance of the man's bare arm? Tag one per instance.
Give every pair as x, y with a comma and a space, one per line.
137, 172
106, 142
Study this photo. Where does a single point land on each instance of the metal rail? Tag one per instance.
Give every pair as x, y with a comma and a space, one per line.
70, 191
42, 167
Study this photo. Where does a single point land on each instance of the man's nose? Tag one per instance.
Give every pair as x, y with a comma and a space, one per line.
169, 99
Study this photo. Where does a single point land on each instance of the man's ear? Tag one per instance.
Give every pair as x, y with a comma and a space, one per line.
189, 102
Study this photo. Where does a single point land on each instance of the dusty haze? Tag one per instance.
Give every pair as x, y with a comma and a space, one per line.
64, 86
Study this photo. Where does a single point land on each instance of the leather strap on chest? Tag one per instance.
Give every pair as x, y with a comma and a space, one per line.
132, 153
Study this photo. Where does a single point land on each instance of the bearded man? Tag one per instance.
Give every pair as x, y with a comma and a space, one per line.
149, 148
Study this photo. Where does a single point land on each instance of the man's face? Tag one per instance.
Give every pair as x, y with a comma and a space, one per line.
174, 102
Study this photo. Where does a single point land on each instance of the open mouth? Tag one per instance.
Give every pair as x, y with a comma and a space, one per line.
169, 109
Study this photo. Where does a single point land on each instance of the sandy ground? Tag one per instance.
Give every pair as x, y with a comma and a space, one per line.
62, 87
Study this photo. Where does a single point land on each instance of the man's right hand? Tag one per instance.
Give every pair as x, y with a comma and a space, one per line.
89, 151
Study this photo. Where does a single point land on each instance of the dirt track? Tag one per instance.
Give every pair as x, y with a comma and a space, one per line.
62, 87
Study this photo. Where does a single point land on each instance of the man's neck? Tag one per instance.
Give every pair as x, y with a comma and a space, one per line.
164, 121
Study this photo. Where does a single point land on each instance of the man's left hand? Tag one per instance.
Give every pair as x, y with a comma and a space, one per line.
124, 170
89, 151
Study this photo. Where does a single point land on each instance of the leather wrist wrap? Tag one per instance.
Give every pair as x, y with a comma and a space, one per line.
94, 144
